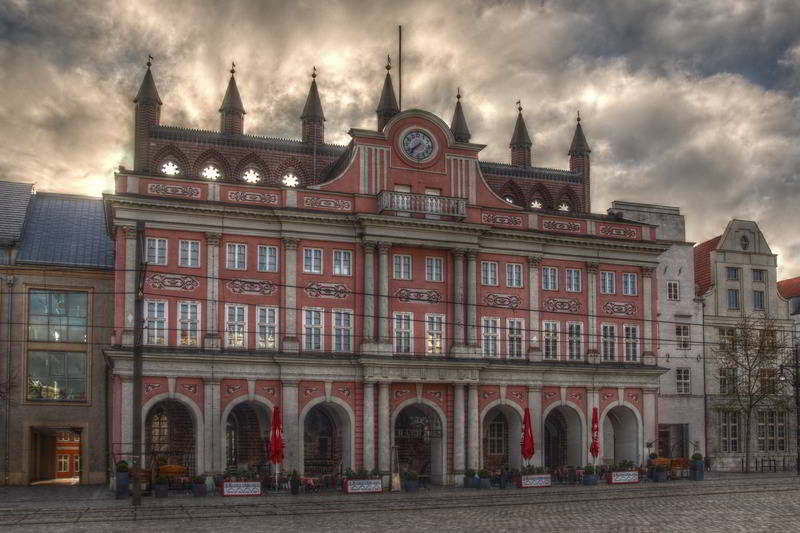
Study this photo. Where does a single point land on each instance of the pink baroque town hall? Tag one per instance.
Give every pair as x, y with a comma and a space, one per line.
394, 297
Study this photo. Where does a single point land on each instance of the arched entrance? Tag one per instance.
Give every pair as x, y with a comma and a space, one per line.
562, 438
502, 429
621, 436
169, 437
419, 441
327, 440
247, 437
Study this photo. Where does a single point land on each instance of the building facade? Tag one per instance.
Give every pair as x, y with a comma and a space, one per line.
398, 299
56, 318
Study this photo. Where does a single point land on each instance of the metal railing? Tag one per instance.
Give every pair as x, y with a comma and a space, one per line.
406, 202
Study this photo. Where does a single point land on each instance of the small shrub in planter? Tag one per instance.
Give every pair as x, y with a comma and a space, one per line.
411, 481
122, 479
198, 486
161, 487
470, 479
697, 467
534, 476
485, 479
589, 475
660, 474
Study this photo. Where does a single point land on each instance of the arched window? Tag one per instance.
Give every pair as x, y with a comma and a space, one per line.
290, 180
211, 172
537, 204
251, 175
159, 430
564, 206
170, 168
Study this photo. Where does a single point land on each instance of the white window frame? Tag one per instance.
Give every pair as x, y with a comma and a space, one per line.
514, 275
673, 291
62, 462
156, 241
549, 278
404, 336
632, 343
630, 288
431, 269
607, 276
732, 273
402, 266
771, 431
263, 327
608, 343
185, 259
550, 334
683, 341
575, 341
515, 337
489, 273
264, 251
756, 306
183, 323
314, 266
683, 380
729, 426
151, 333
434, 333
232, 258
342, 266
490, 336
738, 299
239, 324
342, 335
318, 330
570, 278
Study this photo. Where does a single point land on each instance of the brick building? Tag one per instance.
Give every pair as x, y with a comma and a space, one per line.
394, 293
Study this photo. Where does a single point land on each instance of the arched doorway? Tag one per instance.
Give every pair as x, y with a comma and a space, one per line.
419, 441
562, 438
621, 436
502, 429
326, 440
247, 437
169, 437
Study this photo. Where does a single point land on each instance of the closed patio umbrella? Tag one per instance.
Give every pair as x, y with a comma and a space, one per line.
594, 449
527, 436
276, 441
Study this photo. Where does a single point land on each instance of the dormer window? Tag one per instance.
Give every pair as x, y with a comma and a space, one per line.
564, 206
508, 199
251, 175
536, 204
170, 168
290, 180
210, 172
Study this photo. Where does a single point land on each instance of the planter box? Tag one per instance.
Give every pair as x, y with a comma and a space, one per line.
122, 485
472, 482
535, 480
240, 488
160, 491
411, 485
590, 479
363, 486
619, 478
659, 477
696, 470
485, 483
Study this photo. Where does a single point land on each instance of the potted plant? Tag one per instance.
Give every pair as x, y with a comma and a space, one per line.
534, 477
294, 482
198, 486
471, 481
411, 481
697, 467
362, 481
624, 472
161, 487
589, 475
660, 473
485, 479
123, 480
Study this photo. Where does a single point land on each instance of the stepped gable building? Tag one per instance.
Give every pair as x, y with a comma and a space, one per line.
397, 293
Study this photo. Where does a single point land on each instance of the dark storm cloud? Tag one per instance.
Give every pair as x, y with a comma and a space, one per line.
693, 104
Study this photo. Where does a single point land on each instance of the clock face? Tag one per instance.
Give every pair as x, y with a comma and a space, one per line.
418, 145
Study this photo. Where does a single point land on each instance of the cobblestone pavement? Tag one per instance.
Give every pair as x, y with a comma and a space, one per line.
737, 504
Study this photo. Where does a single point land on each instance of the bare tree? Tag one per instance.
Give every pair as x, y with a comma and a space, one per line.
748, 358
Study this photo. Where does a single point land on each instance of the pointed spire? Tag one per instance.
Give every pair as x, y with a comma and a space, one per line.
520, 138
387, 107
232, 102
148, 94
459, 124
579, 145
313, 108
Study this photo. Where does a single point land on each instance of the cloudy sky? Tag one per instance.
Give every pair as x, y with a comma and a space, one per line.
692, 103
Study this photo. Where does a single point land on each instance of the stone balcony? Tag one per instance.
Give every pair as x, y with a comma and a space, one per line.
405, 203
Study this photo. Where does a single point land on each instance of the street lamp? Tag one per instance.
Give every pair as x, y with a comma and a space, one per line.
796, 386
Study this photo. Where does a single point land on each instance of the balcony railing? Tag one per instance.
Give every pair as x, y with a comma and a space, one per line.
433, 206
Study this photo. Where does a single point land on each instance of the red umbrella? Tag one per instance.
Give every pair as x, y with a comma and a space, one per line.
276, 437
594, 449
527, 436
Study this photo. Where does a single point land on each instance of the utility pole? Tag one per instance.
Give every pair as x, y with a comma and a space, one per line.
137, 368
797, 405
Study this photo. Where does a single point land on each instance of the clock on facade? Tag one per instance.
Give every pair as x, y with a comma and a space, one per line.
418, 145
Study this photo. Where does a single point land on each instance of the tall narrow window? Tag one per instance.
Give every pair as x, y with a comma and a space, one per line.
732, 273
727, 380
673, 291
433, 269
402, 332
266, 328
631, 343
312, 260
236, 258
189, 253
607, 285
513, 275
758, 300
729, 431
575, 341
609, 342
434, 333
733, 298
550, 338
268, 258
497, 436
573, 280
683, 381
488, 273
489, 335
516, 337
235, 326
759, 275
550, 278
402, 267
682, 339
312, 330
727, 338
155, 322
342, 331
156, 251
629, 282
188, 325
342, 263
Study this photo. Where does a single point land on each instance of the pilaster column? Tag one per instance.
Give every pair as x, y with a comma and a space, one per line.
458, 300
649, 398
458, 429
291, 342
126, 418
213, 435
212, 340
473, 434
369, 291
291, 433
384, 437
591, 286
647, 334
369, 426
535, 405
534, 338
130, 284
472, 297
383, 292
